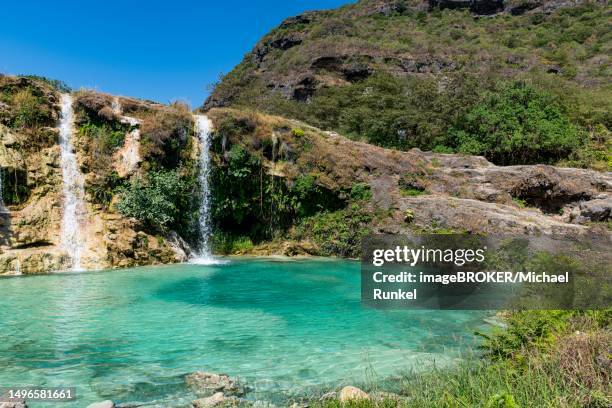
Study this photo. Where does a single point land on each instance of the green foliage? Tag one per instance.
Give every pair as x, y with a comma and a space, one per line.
502, 400
105, 136
337, 233
158, 201
104, 188
517, 124
534, 330
14, 184
391, 111
227, 244
412, 191
297, 132
520, 202
361, 191
30, 109
248, 201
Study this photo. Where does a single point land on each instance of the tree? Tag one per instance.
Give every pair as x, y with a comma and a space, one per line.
517, 124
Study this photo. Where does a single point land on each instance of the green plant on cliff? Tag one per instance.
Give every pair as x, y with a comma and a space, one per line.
30, 110
105, 137
517, 124
338, 233
161, 201
164, 134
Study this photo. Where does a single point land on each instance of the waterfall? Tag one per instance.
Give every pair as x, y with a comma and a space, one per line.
73, 190
203, 128
2, 209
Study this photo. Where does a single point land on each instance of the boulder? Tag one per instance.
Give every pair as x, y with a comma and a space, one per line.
203, 383
350, 393
103, 404
15, 404
329, 396
597, 210
215, 400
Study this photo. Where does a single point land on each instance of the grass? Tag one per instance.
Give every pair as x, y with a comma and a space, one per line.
556, 359
412, 192
520, 203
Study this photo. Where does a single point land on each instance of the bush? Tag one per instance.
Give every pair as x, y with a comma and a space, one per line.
106, 138
361, 191
164, 133
30, 110
157, 201
338, 233
297, 132
518, 124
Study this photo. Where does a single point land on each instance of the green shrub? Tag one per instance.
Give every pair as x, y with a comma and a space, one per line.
361, 191
297, 132
517, 124
502, 400
103, 188
412, 191
338, 233
156, 201
106, 138
30, 110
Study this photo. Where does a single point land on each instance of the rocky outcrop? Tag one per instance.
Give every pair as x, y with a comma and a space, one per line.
350, 394
30, 239
205, 383
215, 400
437, 191
103, 404
409, 191
311, 52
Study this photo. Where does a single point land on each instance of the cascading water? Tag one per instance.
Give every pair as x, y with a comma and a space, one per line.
2, 209
73, 190
203, 127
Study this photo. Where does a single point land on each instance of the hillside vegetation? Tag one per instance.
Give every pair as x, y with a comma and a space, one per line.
517, 81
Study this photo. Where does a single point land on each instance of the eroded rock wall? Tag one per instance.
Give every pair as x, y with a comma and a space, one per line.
30, 236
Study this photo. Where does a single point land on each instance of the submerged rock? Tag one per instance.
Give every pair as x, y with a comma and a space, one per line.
350, 393
103, 404
203, 383
216, 400
18, 404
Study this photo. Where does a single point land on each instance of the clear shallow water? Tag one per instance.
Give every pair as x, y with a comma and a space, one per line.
284, 327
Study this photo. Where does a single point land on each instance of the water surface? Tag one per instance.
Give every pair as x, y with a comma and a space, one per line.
285, 327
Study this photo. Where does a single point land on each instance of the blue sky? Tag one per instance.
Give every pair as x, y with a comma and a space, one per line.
154, 50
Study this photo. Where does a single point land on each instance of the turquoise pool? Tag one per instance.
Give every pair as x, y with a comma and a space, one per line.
285, 327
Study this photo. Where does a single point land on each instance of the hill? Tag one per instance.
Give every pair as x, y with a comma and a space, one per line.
516, 81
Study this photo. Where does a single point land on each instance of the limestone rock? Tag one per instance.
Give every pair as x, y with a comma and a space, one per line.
597, 210
203, 383
350, 393
17, 404
103, 404
216, 400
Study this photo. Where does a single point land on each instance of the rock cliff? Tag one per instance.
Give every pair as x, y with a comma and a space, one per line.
32, 183
321, 178
278, 185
